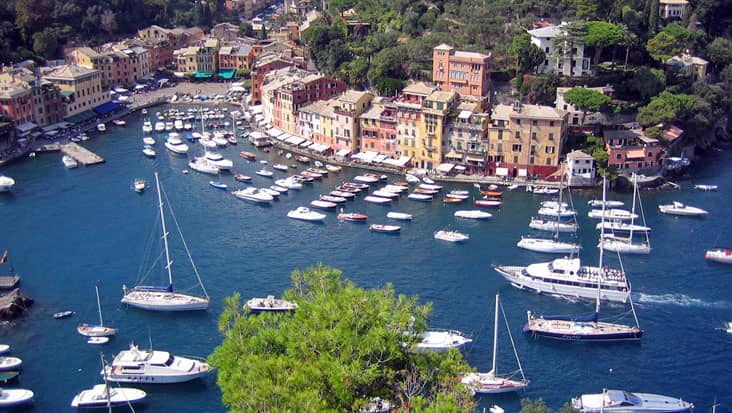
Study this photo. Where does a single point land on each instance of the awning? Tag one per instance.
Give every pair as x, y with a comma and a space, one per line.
501, 171
274, 132
319, 147
295, 140
138, 87
305, 143
523, 172
473, 159
379, 158
445, 167
106, 108
258, 117
283, 136
465, 114
26, 127
81, 117
343, 152
453, 155
203, 75
120, 89
66, 93
179, 74
459, 168
635, 154
227, 73
237, 89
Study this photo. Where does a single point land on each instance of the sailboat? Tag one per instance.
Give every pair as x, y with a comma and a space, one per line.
584, 327
552, 245
625, 245
491, 382
165, 298
98, 330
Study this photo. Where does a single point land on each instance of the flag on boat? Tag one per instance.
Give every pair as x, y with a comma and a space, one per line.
4, 258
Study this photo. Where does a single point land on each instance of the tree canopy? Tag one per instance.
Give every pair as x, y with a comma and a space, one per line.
666, 107
586, 100
343, 346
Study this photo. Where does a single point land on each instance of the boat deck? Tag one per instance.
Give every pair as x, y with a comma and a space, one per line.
81, 154
9, 282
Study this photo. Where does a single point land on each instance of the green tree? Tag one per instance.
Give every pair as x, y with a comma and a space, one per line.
526, 55
603, 34
343, 346
666, 107
646, 83
663, 46
45, 43
587, 100
719, 51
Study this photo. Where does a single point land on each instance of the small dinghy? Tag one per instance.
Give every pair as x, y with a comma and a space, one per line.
98, 340
242, 178
387, 229
63, 314
218, 185
10, 363
13, 397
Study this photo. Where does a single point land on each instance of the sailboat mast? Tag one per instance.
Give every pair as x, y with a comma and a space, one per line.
602, 240
632, 210
495, 337
559, 208
99, 306
168, 262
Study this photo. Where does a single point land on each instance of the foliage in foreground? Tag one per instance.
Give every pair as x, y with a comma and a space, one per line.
343, 346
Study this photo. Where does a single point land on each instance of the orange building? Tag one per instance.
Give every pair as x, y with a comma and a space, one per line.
467, 73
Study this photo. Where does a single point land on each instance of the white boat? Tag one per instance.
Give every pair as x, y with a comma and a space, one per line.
147, 140
139, 185
419, 197
6, 183
96, 330
289, 183
10, 363
473, 214
105, 396
101, 127
280, 167
612, 214
149, 152
119, 122
598, 203
394, 188
728, 327
176, 145
4, 348
412, 179
168, 126
703, 187
280, 189
323, 204
220, 140
202, 165
491, 382
678, 208
721, 255
512, 187
207, 143
332, 168
402, 216
305, 214
442, 340
178, 124
264, 172
377, 200
620, 226
385, 194
389, 229
219, 161
97, 340
563, 212
159, 127
428, 180
551, 225
14, 397
253, 194
147, 126
548, 245
626, 244
621, 401
431, 187
451, 236
270, 304
542, 190
165, 298
153, 366
368, 179
69, 162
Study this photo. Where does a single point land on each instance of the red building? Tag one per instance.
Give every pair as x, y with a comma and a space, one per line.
630, 150
467, 73
290, 97
266, 64
16, 103
379, 128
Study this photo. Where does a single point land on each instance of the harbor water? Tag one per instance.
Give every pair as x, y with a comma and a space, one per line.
69, 229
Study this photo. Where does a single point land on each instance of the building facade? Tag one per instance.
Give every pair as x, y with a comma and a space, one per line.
350, 106
668, 9
467, 138
80, 87
409, 116
467, 73
630, 150
16, 103
580, 170
562, 57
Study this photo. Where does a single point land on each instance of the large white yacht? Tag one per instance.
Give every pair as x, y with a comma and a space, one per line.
626, 402
152, 366
219, 161
203, 165
175, 144
253, 194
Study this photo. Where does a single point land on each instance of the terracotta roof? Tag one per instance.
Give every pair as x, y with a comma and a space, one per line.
505, 112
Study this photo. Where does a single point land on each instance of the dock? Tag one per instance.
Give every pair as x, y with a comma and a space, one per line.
81, 154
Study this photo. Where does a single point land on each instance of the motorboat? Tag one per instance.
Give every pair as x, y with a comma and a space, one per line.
176, 145
148, 151
412, 179
96, 330
105, 396
248, 155
280, 167
139, 185
451, 236
14, 397
169, 126
419, 197
561, 212
395, 188
7, 376
178, 124
6, 183
220, 140
356, 185
323, 204
389, 229
270, 304
101, 127
425, 191
450, 200
489, 203
147, 126
542, 190
333, 199
148, 140
473, 214
612, 214
622, 401
10, 363
430, 187
385, 194
97, 340
274, 193
402, 216
457, 196
311, 174
4, 348
154, 366
219, 160
218, 185
368, 179
491, 382
428, 180
332, 168
159, 127
548, 245
202, 165
289, 183
721, 255
495, 194
352, 216
207, 142
458, 193
377, 200
280, 189
442, 340
254, 195
302, 159
598, 203
305, 214
265, 173
703, 187
624, 245
69, 162
119, 122
63, 314
678, 208
343, 194
242, 178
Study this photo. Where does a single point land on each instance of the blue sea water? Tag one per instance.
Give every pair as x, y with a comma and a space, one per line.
70, 229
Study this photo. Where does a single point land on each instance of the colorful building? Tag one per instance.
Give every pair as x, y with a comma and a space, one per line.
409, 115
431, 135
350, 106
378, 128
290, 97
467, 137
467, 73
80, 87
16, 103
561, 56
630, 150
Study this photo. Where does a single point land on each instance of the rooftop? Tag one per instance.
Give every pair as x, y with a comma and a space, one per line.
69, 72
419, 88
351, 96
373, 113
444, 46
577, 154
505, 112
13, 90
548, 31
440, 96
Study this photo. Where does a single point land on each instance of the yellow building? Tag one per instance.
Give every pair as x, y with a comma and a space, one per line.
409, 114
347, 129
201, 60
431, 136
81, 87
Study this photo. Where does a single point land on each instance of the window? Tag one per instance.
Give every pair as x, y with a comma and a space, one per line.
548, 161
515, 159
551, 136
534, 123
533, 135
516, 147
549, 149
618, 156
518, 135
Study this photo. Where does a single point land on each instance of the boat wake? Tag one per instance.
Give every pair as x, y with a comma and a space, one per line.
682, 300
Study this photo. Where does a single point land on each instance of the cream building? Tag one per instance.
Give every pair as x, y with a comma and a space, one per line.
80, 86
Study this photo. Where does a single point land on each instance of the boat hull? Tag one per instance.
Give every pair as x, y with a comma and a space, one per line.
137, 377
164, 301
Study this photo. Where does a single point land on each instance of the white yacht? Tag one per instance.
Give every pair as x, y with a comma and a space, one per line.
624, 245
14, 397
305, 214
270, 304
451, 236
551, 225
721, 255
104, 395
442, 340
176, 145
549, 245
159, 127
288, 183
612, 214
620, 226
557, 211
147, 126
265, 173
622, 401
69, 162
147, 140
678, 208
402, 216
148, 151
473, 214
154, 367
6, 183
201, 164
253, 194
598, 203
218, 160
96, 330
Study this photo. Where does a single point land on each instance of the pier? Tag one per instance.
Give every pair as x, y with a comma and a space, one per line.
81, 154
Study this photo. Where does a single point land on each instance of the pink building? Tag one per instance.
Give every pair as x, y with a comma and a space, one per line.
630, 150
467, 73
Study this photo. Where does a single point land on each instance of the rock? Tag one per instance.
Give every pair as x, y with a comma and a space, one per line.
13, 305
